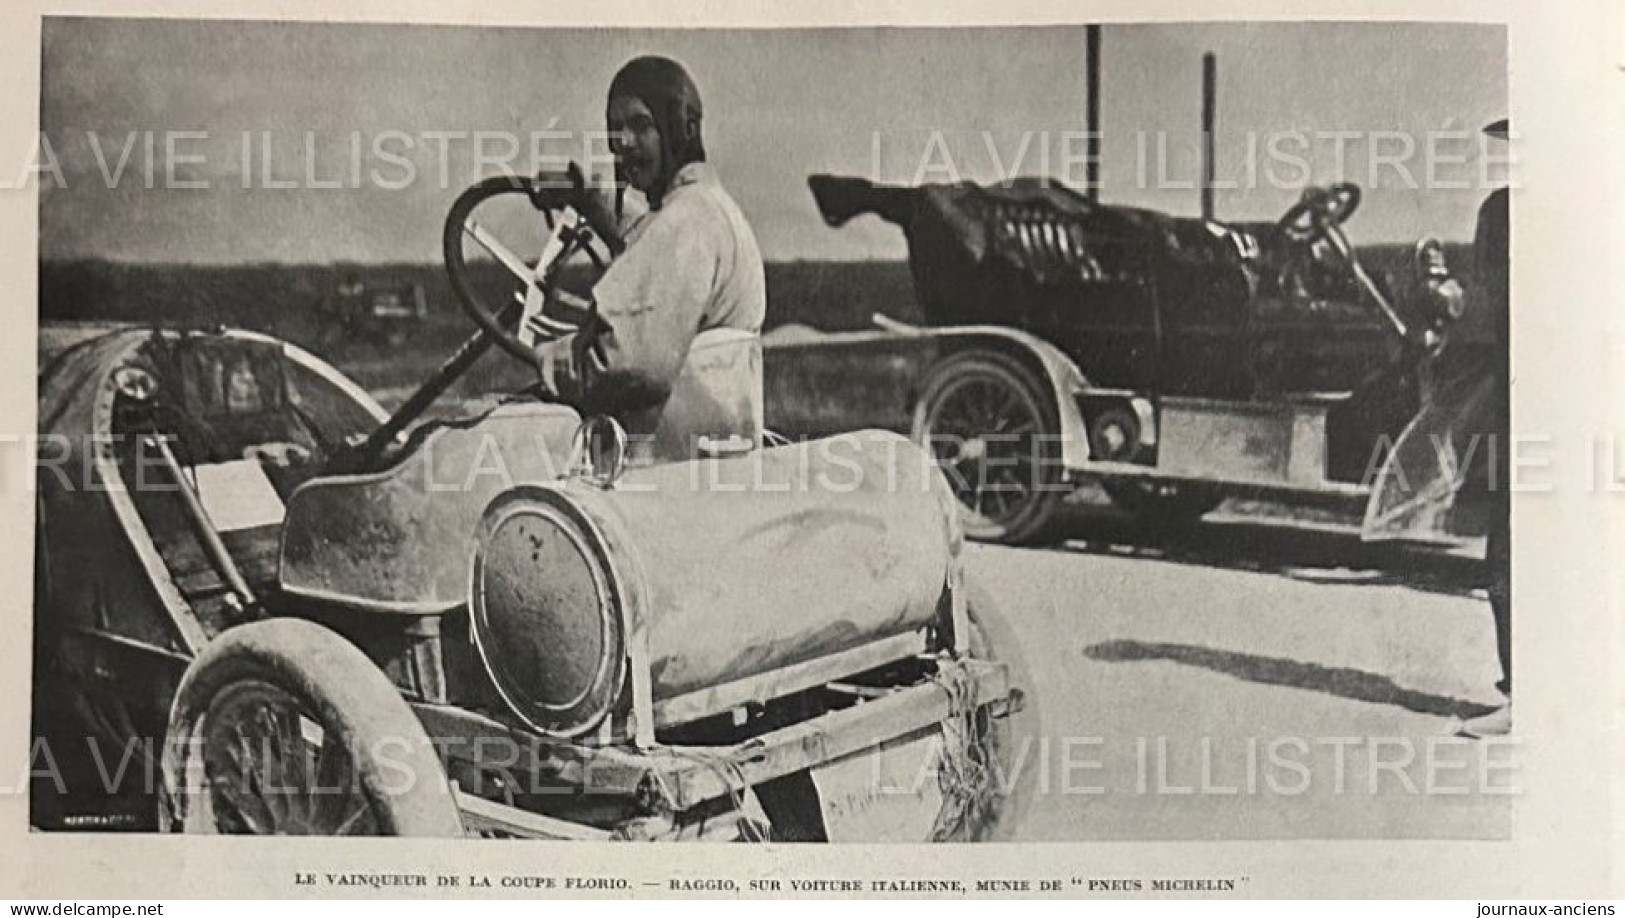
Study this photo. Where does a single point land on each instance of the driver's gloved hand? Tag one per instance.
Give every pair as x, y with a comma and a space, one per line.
560, 369
569, 188
553, 189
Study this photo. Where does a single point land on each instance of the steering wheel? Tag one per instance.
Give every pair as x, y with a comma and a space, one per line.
517, 327
1320, 212
1318, 219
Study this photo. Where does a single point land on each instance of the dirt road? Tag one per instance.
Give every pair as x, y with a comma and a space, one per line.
1250, 680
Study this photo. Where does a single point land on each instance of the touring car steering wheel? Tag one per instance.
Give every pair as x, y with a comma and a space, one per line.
1320, 212
1318, 218
571, 233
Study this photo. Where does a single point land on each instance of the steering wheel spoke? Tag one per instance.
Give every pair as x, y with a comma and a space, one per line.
566, 235
535, 322
500, 252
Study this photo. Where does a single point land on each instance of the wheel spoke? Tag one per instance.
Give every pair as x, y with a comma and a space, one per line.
967, 468
232, 772
324, 788
988, 405
970, 407
1008, 409
293, 758
275, 779
249, 783
1019, 489
1015, 478
953, 420
500, 252
968, 411
288, 753
335, 780
244, 810
1001, 500
310, 785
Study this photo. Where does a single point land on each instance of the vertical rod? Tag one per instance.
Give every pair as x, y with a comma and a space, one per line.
1091, 114
208, 537
1210, 79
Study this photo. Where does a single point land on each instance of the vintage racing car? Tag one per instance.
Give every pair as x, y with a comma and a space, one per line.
267, 607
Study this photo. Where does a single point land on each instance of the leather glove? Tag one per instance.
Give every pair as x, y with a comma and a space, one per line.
560, 369
553, 189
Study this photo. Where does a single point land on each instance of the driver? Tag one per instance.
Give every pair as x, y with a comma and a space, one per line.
674, 350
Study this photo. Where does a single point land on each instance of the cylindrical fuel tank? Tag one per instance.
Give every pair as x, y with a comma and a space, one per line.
729, 567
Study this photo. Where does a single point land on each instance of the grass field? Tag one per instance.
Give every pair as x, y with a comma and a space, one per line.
812, 391
295, 302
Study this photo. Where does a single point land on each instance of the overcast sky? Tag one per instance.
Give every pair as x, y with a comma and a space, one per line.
389, 115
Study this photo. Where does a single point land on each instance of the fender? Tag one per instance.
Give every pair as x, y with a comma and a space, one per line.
1066, 382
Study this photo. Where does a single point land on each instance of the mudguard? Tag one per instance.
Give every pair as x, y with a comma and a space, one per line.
1065, 381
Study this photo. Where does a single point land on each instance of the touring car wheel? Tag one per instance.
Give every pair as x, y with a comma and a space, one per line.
993, 429
1010, 745
284, 728
1162, 503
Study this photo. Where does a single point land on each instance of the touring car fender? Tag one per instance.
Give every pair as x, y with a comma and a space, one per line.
1059, 372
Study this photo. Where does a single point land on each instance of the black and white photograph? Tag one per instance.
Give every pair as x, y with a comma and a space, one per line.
952, 433
593, 435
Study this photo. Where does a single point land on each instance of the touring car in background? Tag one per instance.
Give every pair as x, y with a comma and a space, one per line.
267, 607
1175, 360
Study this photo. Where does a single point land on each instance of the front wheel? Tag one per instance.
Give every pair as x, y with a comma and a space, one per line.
993, 429
284, 728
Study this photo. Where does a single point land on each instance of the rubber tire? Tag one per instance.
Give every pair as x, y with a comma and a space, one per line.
1036, 524
345, 691
1183, 507
1017, 737
793, 802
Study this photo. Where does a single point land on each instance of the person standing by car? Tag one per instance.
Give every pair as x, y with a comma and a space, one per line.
1492, 253
673, 351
